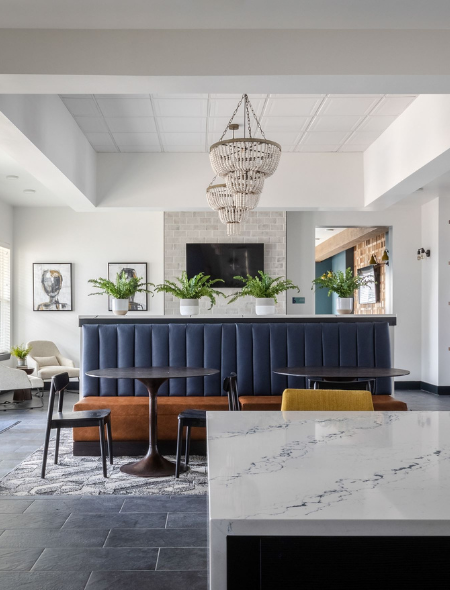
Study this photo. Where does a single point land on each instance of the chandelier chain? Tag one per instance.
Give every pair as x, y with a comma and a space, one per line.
247, 102
257, 121
232, 116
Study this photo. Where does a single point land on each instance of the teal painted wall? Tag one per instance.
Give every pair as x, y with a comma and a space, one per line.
323, 302
341, 261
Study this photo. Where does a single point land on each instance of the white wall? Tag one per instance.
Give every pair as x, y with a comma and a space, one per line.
177, 182
413, 151
430, 292
89, 241
406, 270
40, 134
6, 236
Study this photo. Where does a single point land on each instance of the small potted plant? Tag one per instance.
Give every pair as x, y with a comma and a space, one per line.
264, 289
344, 285
189, 291
121, 291
21, 352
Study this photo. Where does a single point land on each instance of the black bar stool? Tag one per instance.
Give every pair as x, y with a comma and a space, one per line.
197, 419
99, 418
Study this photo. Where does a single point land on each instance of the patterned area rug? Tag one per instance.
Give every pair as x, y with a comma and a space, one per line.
83, 476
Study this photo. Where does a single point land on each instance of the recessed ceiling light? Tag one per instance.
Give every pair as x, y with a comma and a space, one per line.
29, 190
12, 177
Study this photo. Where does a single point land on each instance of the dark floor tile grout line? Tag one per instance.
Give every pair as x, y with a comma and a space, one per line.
32, 568
28, 507
107, 537
89, 577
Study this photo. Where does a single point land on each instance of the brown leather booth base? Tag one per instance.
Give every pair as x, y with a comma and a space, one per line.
135, 448
129, 416
261, 403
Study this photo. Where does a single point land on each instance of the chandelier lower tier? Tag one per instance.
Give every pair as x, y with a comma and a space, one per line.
233, 217
244, 163
232, 207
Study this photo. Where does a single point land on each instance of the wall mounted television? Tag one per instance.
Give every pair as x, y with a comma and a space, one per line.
224, 261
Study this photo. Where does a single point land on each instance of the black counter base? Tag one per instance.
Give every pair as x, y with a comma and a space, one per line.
340, 563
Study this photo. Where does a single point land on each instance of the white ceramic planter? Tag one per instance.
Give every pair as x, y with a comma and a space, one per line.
344, 305
189, 306
120, 306
265, 306
21, 362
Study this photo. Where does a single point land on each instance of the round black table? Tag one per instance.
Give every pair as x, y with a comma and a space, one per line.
153, 464
342, 373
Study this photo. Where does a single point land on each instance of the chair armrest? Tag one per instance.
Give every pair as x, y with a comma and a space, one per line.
33, 364
64, 361
13, 379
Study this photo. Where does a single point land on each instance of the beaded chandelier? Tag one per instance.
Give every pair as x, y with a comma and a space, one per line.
245, 154
232, 207
244, 163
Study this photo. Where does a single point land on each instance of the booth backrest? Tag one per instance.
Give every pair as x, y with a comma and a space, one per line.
253, 351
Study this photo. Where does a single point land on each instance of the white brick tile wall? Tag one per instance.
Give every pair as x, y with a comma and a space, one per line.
267, 227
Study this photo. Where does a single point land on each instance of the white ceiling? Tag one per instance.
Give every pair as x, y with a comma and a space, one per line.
229, 14
13, 190
324, 233
192, 122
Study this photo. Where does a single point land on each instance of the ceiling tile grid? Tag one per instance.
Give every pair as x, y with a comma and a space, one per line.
313, 123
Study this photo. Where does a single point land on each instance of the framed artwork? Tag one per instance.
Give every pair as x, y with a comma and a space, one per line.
52, 286
132, 269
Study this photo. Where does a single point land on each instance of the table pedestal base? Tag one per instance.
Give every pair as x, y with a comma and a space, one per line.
151, 466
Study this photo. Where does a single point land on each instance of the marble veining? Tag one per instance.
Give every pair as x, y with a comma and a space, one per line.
325, 473
328, 465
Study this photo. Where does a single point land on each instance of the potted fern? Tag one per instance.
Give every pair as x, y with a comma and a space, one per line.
264, 289
344, 285
121, 291
189, 291
21, 352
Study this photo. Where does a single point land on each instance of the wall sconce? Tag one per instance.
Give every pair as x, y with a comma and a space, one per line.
384, 259
422, 254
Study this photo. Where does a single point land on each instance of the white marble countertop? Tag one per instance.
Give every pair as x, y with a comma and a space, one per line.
303, 465
326, 473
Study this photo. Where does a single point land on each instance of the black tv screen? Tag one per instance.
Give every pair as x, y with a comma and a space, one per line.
224, 261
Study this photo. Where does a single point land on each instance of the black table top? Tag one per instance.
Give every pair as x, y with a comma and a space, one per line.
342, 372
151, 372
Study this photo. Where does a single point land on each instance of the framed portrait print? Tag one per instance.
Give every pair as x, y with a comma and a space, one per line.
52, 286
132, 269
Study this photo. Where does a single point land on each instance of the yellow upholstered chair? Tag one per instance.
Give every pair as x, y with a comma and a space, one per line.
323, 400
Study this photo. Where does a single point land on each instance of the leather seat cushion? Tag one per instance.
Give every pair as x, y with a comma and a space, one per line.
258, 403
130, 420
50, 371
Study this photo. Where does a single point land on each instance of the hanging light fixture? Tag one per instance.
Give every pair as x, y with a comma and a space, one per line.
245, 154
232, 208
219, 197
244, 163
233, 217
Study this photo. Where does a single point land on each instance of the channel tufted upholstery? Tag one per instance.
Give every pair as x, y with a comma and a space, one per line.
252, 351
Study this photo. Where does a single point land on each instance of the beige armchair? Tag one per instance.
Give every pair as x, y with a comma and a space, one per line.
47, 361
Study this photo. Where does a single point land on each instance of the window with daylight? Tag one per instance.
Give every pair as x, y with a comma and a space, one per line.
5, 299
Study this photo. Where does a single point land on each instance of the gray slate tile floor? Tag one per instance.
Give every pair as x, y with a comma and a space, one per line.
112, 542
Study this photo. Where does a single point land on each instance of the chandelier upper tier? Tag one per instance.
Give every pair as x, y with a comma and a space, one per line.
244, 163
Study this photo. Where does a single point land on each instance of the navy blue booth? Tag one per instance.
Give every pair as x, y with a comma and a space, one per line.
252, 350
